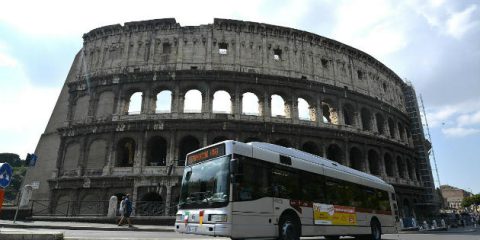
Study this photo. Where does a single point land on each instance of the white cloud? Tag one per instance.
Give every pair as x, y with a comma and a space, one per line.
7, 61
460, 23
460, 132
469, 119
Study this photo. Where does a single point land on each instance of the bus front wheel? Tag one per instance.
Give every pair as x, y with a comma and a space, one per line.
289, 228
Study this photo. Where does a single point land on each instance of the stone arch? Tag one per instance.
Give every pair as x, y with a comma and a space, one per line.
157, 151
150, 201
366, 119
305, 110
283, 142
407, 208
72, 156
174, 197
251, 104
97, 154
135, 103
401, 134
81, 108
329, 113
219, 139
400, 167
410, 169
163, 102
391, 127
348, 114
380, 120
389, 165
278, 106
356, 158
311, 147
187, 144
335, 153
106, 102
374, 162
222, 102
126, 149
193, 102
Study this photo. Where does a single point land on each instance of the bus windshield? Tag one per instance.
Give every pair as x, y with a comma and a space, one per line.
206, 185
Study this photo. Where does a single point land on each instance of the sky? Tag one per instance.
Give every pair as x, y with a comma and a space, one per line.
434, 44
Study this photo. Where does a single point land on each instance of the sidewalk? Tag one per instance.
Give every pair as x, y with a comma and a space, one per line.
82, 226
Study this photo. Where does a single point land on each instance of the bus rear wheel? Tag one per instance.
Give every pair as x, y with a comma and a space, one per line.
376, 231
289, 228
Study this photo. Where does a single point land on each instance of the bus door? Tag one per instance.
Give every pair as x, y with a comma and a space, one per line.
252, 210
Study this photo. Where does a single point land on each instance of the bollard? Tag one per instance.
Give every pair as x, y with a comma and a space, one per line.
112, 207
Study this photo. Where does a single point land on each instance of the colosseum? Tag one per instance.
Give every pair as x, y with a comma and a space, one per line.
139, 96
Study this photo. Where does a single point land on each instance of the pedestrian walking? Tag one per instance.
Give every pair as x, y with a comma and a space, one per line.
127, 211
121, 210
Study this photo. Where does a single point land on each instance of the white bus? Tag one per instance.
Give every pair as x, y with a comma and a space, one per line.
247, 190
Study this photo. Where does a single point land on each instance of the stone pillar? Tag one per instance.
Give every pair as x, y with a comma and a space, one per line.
365, 165
237, 107
266, 110
167, 200
291, 109
207, 101
171, 150
347, 153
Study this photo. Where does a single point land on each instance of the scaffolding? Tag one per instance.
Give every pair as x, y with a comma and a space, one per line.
422, 145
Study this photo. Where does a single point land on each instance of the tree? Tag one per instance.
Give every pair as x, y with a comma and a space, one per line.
473, 200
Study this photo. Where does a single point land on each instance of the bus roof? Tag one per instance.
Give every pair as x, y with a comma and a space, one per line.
326, 163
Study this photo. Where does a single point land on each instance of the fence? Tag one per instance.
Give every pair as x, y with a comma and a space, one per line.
96, 208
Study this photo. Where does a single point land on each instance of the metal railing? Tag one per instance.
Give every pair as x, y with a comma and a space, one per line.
97, 208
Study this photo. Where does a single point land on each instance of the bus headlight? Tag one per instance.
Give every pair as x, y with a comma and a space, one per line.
179, 218
217, 217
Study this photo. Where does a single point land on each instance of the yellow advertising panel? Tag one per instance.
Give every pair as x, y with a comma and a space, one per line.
328, 214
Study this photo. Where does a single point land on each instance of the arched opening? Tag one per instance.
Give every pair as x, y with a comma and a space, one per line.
311, 147
334, 153
391, 127
356, 159
125, 152
283, 142
187, 144
373, 162
150, 204
366, 120
193, 102
135, 103
400, 167
380, 123
348, 114
219, 139
407, 209
250, 104
72, 156
389, 165
410, 169
278, 106
81, 108
401, 131
222, 102
164, 102
253, 139
157, 151
305, 111
326, 113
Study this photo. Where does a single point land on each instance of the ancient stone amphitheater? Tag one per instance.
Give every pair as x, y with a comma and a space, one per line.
140, 96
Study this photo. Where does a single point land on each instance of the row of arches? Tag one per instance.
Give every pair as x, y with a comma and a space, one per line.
157, 152
326, 111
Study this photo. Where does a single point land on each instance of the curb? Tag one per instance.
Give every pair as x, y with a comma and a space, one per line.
31, 236
88, 228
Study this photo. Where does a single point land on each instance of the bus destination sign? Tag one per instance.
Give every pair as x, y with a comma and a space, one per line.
206, 154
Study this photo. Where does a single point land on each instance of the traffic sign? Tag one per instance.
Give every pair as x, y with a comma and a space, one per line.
6, 173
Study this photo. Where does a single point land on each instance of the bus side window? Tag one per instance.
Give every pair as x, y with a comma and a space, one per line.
253, 180
286, 184
312, 187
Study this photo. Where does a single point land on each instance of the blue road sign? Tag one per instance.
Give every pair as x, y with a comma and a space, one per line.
6, 173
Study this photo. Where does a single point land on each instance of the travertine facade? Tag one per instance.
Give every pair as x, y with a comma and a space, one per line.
95, 146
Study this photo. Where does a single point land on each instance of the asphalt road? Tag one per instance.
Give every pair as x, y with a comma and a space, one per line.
144, 235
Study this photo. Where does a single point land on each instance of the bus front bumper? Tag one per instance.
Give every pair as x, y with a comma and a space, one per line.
212, 229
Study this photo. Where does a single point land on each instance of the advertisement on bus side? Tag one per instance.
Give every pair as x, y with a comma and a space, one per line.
327, 214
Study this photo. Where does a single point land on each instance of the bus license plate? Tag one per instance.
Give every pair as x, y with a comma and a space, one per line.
191, 229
